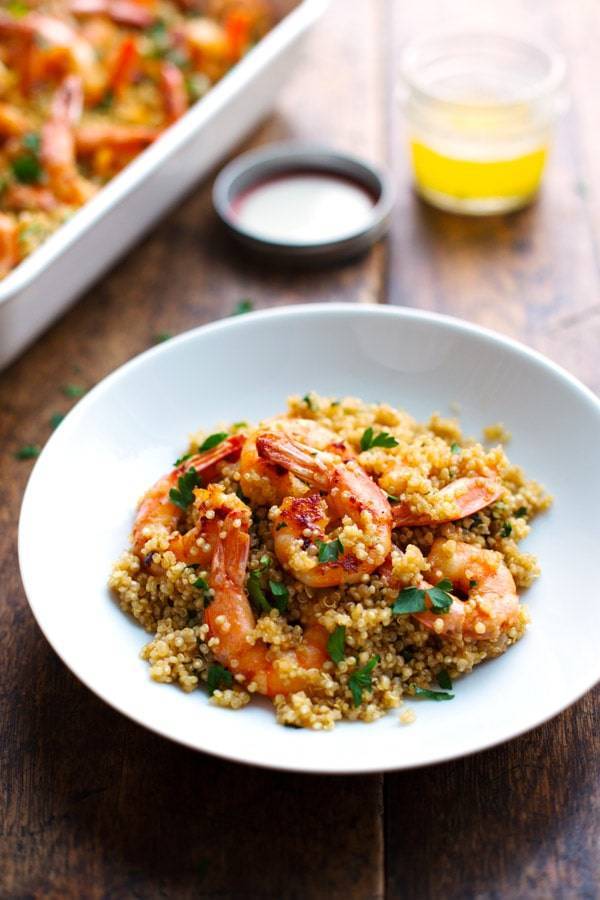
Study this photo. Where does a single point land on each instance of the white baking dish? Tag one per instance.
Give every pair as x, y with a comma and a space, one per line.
48, 281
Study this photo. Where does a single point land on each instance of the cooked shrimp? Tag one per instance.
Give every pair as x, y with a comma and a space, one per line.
57, 152
157, 513
124, 12
482, 576
353, 502
231, 620
175, 96
19, 197
466, 496
267, 483
9, 244
92, 137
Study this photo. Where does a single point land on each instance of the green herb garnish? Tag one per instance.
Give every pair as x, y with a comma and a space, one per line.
27, 167
28, 451
383, 439
362, 680
17, 8
256, 592
217, 677
183, 495
244, 306
73, 390
522, 511
106, 102
280, 595
335, 644
182, 459
329, 551
506, 530
307, 399
412, 599
432, 695
444, 680
162, 337
212, 441
392, 499
455, 448
56, 419
201, 584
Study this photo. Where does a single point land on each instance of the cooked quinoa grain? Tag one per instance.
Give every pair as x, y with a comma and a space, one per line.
377, 621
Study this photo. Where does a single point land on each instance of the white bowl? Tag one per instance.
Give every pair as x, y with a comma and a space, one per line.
79, 504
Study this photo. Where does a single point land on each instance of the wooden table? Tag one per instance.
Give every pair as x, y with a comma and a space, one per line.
94, 806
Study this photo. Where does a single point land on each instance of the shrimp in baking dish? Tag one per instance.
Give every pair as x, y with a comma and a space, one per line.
57, 152
351, 500
159, 515
230, 619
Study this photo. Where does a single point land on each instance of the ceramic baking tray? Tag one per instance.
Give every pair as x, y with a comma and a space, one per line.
51, 279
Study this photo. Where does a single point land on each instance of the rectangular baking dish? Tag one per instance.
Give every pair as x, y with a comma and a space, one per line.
46, 283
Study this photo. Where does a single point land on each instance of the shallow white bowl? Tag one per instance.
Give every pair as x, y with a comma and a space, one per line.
79, 504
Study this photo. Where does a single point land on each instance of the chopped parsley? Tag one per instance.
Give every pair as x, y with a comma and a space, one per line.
244, 306
201, 584
27, 167
473, 583
335, 644
17, 8
362, 680
506, 530
280, 526
383, 439
444, 680
256, 592
308, 400
392, 499
55, 419
412, 599
160, 39
28, 451
455, 448
183, 495
522, 511
73, 391
213, 440
432, 695
162, 337
329, 551
280, 595
218, 677
182, 459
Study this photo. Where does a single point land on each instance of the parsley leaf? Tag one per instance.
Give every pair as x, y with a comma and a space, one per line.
335, 644
73, 390
432, 695
383, 439
307, 399
412, 599
217, 677
212, 441
361, 680
506, 529
182, 459
455, 448
256, 592
280, 594
244, 306
56, 419
392, 499
201, 584
28, 451
183, 494
329, 552
444, 680
162, 337
522, 511
27, 167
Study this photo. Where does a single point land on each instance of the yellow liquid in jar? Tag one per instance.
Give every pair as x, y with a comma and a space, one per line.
472, 180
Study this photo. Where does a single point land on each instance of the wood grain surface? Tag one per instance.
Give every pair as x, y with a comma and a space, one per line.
93, 806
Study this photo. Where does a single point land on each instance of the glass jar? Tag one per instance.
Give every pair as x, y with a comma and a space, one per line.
480, 110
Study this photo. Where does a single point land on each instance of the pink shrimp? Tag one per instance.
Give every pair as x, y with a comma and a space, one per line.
123, 12
231, 620
159, 515
57, 152
301, 524
466, 496
175, 96
9, 244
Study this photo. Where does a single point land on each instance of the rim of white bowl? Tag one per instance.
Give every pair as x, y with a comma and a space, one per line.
318, 310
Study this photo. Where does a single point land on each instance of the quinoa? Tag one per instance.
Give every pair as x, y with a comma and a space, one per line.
389, 656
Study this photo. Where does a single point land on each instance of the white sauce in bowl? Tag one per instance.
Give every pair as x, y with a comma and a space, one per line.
304, 208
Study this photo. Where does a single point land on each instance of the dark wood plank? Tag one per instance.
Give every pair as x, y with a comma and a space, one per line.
92, 805
519, 821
